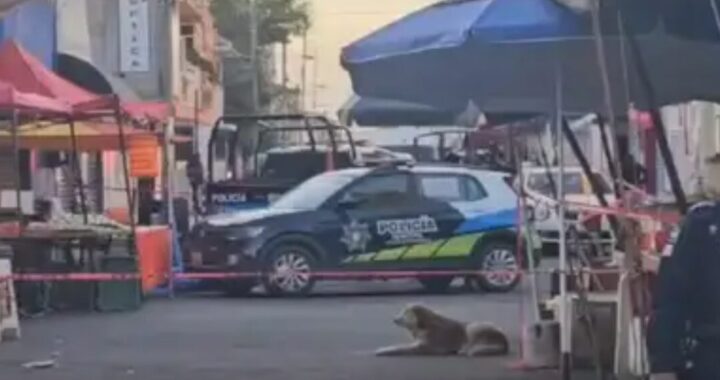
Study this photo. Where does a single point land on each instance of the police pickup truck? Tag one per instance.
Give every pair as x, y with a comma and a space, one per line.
396, 219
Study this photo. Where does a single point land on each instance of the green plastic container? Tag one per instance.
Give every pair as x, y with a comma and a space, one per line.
122, 295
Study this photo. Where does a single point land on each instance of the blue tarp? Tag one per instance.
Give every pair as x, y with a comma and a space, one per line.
33, 25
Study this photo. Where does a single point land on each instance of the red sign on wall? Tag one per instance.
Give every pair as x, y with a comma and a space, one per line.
144, 157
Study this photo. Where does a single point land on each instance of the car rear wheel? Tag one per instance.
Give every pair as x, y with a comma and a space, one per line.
289, 271
499, 266
436, 284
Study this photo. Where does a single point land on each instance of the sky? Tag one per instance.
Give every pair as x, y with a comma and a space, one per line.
337, 23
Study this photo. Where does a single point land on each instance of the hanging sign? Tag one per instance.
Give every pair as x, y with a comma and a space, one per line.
134, 35
144, 152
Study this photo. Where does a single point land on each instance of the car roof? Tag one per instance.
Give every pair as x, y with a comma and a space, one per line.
553, 169
440, 168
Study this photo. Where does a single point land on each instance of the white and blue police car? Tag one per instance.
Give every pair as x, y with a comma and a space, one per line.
438, 218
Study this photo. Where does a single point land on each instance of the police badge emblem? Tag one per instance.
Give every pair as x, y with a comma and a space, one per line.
356, 236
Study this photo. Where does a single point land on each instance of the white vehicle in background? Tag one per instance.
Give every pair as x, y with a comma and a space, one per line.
540, 186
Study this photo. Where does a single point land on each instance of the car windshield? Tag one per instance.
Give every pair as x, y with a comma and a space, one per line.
312, 193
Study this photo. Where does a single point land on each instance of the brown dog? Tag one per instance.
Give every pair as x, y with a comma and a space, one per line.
435, 334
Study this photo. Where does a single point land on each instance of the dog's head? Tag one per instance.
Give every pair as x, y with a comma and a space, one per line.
414, 317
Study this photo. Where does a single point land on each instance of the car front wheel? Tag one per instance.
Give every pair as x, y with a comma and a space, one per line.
289, 270
499, 266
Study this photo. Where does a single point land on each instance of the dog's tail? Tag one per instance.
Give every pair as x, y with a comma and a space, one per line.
401, 350
486, 340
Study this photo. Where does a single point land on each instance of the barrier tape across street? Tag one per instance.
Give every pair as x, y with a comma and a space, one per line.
623, 212
30, 277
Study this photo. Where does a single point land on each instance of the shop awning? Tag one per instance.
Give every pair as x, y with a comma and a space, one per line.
90, 136
12, 99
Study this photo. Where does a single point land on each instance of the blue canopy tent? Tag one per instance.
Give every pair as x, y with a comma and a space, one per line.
507, 55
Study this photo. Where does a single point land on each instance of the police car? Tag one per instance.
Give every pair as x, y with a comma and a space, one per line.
356, 221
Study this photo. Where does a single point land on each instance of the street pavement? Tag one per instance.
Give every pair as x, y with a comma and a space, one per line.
330, 336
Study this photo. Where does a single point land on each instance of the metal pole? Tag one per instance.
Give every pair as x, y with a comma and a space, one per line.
284, 65
196, 117
254, 55
315, 80
658, 123
16, 158
169, 148
612, 165
303, 72
78, 172
126, 175
168, 160
565, 332
528, 232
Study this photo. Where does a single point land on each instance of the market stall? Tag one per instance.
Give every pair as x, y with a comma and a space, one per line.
13, 104
93, 123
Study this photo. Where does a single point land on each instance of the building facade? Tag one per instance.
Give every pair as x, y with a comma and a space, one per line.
145, 50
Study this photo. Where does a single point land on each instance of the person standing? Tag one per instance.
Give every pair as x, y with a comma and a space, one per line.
684, 331
196, 177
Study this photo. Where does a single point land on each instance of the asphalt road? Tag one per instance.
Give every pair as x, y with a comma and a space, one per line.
327, 337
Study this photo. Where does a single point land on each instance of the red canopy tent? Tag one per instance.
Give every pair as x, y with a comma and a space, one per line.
28, 74
12, 99
20, 103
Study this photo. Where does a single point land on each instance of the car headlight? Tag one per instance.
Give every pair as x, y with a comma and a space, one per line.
244, 233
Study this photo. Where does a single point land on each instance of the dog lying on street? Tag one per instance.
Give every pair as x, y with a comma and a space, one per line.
435, 334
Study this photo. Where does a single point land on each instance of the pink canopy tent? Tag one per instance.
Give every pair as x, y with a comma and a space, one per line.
27, 74
12, 99
22, 103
